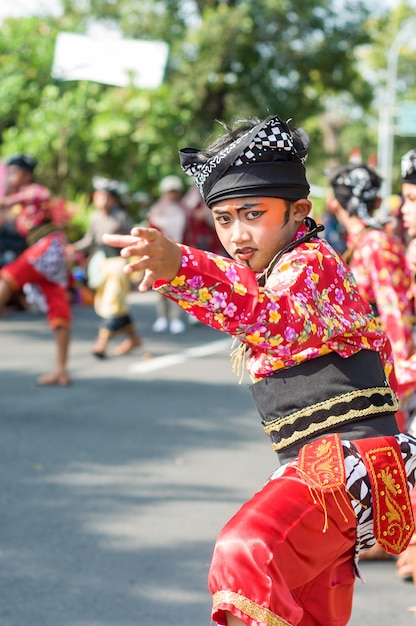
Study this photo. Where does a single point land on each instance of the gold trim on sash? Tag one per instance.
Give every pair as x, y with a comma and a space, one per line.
249, 608
390, 405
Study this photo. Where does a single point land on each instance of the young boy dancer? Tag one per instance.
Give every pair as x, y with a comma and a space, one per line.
43, 263
378, 262
406, 563
320, 368
408, 173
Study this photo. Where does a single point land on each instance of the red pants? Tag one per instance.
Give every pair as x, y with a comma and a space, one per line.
21, 271
274, 566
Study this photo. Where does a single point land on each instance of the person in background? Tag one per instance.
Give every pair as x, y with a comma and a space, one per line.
168, 215
378, 262
105, 269
393, 218
200, 230
43, 262
406, 563
408, 211
334, 232
321, 369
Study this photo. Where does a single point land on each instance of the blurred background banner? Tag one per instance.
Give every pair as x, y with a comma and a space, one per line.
118, 62
406, 121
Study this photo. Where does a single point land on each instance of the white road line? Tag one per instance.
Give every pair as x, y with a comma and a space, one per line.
197, 352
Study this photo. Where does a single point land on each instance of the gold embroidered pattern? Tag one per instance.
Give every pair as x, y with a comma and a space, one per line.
390, 405
249, 608
393, 518
321, 463
322, 467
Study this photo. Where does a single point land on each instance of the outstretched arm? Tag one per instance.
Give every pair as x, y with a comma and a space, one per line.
158, 256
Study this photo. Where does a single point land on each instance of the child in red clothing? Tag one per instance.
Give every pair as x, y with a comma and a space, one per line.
321, 370
406, 563
378, 262
43, 263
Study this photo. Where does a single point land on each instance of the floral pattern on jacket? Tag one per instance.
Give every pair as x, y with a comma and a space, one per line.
309, 306
383, 278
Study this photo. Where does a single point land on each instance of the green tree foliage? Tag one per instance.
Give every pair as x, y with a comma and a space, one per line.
26, 49
228, 60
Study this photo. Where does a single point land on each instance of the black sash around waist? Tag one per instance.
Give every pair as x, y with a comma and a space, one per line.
326, 395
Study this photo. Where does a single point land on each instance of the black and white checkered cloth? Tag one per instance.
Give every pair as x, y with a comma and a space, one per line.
274, 135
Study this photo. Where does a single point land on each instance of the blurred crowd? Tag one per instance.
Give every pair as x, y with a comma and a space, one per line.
41, 269
39, 264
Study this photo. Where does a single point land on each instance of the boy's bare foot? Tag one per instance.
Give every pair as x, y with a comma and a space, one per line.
61, 380
127, 345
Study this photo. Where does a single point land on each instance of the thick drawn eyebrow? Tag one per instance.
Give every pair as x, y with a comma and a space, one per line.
244, 207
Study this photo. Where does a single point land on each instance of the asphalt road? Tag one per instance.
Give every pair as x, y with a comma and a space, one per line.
113, 490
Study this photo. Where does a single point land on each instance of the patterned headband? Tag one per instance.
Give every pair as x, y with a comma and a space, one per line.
355, 187
359, 181
269, 143
408, 167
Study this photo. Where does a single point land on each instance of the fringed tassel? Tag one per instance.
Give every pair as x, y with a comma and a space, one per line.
318, 496
238, 359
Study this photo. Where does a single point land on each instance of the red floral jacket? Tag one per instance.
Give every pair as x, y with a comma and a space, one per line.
309, 306
379, 265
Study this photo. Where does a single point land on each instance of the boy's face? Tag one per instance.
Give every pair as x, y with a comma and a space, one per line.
409, 208
253, 230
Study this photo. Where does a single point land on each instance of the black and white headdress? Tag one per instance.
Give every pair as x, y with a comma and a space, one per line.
356, 187
267, 160
408, 167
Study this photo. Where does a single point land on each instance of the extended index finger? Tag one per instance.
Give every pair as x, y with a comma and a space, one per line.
119, 241
137, 233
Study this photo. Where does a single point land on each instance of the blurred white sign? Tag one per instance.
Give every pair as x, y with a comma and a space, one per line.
407, 119
118, 62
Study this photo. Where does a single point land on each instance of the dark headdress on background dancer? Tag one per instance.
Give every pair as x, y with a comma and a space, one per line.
408, 167
357, 189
